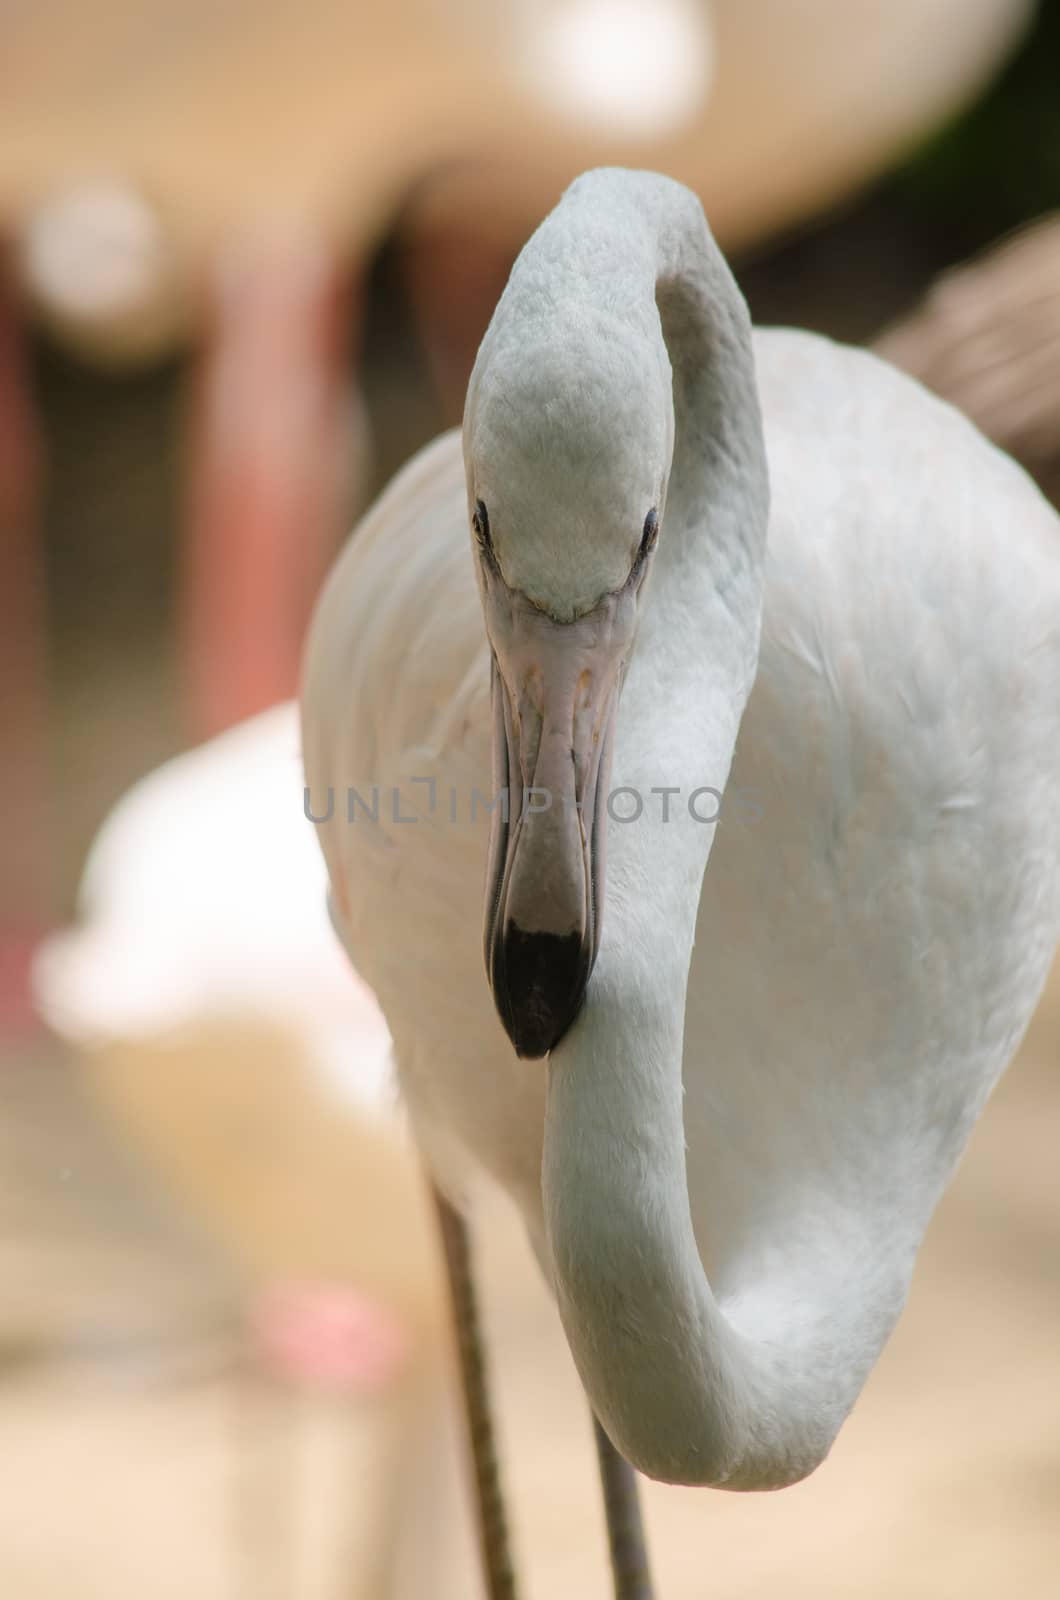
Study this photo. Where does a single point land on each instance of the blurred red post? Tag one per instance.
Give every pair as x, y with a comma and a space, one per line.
269, 473
23, 796
454, 276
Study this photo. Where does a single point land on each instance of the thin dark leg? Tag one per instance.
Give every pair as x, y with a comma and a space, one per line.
625, 1529
492, 1522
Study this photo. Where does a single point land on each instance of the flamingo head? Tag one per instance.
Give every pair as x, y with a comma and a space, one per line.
568, 438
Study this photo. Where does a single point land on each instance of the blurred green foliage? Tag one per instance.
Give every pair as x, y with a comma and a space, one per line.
999, 164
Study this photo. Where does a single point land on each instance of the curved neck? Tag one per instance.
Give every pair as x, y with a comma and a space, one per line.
683, 1395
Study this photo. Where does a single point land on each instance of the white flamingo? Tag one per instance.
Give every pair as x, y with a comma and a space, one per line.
767, 1039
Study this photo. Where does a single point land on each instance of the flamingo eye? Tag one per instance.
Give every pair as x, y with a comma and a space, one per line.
480, 524
648, 538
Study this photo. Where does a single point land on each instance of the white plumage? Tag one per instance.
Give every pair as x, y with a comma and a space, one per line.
729, 1221
215, 841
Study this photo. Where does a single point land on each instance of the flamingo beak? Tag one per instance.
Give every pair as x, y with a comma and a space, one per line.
555, 690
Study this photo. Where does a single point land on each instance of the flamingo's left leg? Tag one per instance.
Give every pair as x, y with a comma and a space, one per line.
492, 1521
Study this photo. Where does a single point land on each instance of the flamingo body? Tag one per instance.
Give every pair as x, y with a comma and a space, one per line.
874, 925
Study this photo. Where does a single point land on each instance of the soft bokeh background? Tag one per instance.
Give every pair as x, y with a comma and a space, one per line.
249, 253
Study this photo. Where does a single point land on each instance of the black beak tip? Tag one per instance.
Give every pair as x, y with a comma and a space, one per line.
539, 982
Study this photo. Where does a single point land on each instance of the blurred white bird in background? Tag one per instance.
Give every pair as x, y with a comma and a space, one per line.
201, 896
